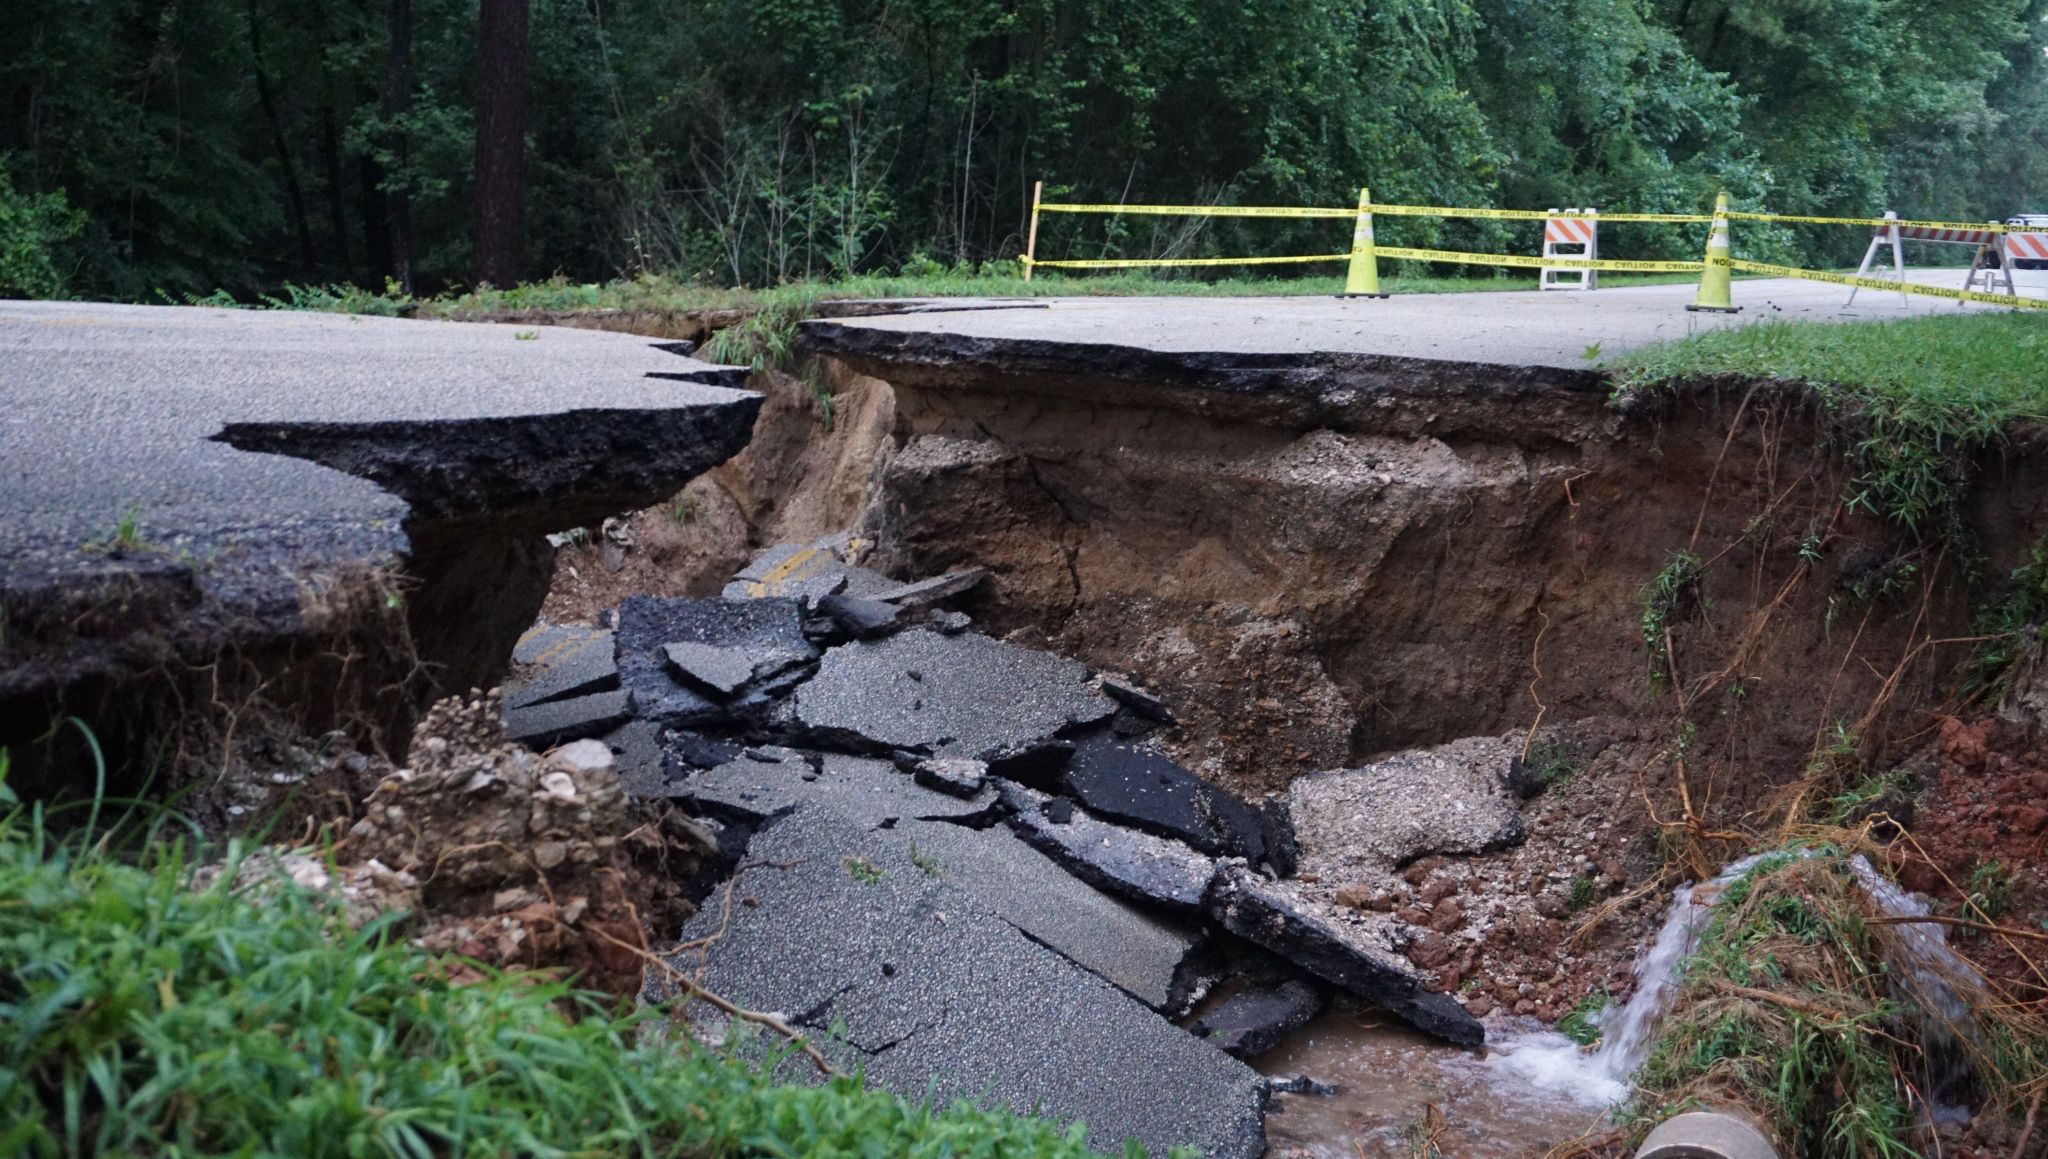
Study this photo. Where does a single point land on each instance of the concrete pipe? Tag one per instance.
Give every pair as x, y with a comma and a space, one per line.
1706, 1135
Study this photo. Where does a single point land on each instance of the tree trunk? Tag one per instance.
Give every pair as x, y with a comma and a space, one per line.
500, 139
337, 197
397, 97
293, 192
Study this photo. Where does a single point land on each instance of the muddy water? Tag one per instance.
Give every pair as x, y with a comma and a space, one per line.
1388, 1076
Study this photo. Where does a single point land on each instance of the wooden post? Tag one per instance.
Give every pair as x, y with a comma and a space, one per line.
1031, 238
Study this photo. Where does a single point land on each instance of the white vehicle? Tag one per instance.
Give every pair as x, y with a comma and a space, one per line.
2026, 255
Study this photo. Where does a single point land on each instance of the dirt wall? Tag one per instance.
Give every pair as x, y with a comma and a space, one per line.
1323, 559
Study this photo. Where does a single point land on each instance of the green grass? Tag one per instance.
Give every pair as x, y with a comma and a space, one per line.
1828, 1086
1924, 393
995, 280
142, 1016
1582, 1023
1671, 594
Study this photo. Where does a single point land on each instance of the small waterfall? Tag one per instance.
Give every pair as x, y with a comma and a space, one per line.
1925, 978
1548, 1061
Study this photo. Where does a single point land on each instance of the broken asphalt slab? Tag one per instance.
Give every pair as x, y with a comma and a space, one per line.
766, 783
1254, 1020
1153, 870
808, 571
946, 836
553, 662
224, 459
766, 634
960, 695
1142, 786
1144, 955
1339, 948
939, 996
552, 722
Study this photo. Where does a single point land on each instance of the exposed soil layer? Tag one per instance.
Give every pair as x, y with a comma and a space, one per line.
804, 474
1324, 558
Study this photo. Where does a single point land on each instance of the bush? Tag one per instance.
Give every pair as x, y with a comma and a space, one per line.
141, 1015
32, 232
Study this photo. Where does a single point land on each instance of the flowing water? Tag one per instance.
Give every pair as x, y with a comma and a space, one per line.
1532, 1088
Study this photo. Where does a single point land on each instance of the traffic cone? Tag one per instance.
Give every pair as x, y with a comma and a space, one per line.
1713, 296
1363, 279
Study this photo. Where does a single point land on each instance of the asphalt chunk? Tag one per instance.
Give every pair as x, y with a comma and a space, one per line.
944, 695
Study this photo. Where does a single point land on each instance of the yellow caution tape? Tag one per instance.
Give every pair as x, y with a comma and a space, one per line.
1203, 210
1389, 210
1887, 286
1879, 222
1140, 263
1535, 214
1533, 263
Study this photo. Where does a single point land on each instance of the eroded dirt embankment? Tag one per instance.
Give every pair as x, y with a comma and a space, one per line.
1336, 557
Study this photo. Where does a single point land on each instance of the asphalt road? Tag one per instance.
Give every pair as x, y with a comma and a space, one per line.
1513, 328
107, 409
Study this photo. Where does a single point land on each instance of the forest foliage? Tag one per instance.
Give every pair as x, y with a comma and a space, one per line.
165, 148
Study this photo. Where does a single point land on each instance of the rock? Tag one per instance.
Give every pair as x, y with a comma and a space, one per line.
1431, 951
1138, 866
952, 623
941, 997
1300, 1085
466, 815
924, 593
1253, 1021
768, 632
551, 662
553, 721
971, 694
1137, 699
1142, 787
861, 619
1359, 959
1447, 915
1364, 822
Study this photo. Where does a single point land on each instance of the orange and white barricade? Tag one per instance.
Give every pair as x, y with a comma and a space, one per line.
1888, 241
1571, 237
2026, 255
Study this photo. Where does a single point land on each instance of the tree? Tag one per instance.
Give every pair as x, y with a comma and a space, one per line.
500, 183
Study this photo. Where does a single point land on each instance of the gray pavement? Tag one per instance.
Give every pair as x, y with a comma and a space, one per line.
1515, 328
115, 414
108, 407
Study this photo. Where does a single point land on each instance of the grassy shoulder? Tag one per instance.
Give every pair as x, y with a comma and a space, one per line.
996, 280
1921, 395
144, 1014
1982, 363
